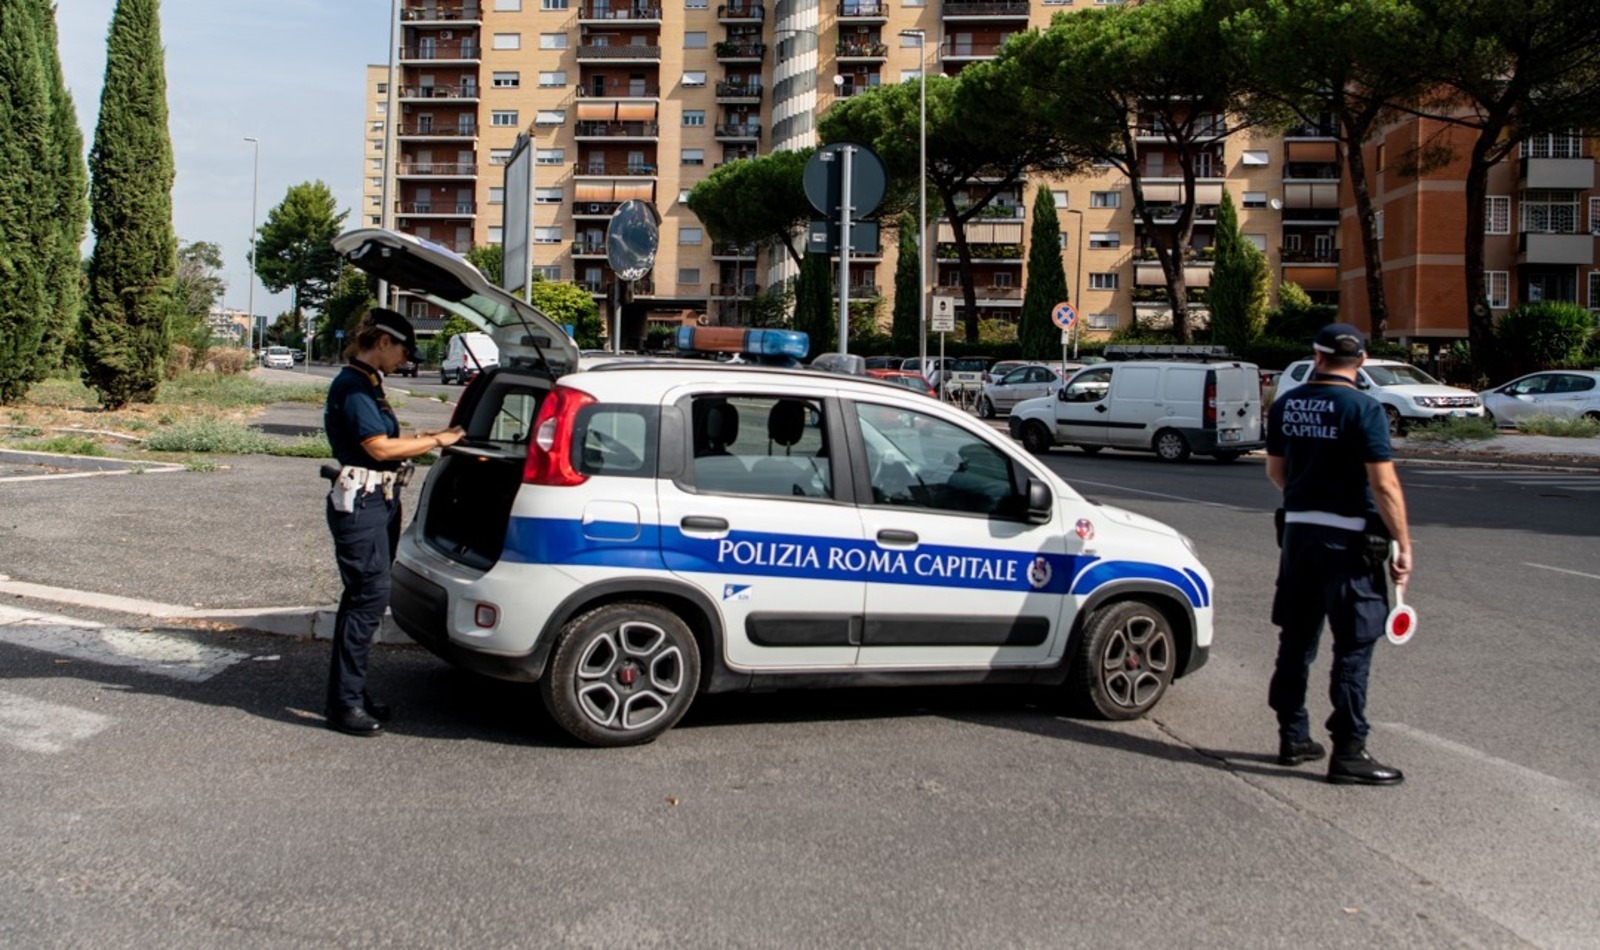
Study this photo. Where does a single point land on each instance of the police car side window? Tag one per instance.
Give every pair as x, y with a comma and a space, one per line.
918, 461
760, 445
616, 440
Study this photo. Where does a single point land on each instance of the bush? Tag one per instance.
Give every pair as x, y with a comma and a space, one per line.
1543, 335
1580, 428
232, 392
64, 445
180, 360
227, 360
310, 447
211, 435
1452, 430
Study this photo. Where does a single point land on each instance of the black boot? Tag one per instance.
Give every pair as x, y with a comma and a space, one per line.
375, 709
1352, 764
1296, 751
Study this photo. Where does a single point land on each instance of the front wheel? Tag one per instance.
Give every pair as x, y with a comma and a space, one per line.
622, 674
1171, 446
1397, 425
1036, 439
1090, 449
1125, 661
1592, 416
985, 408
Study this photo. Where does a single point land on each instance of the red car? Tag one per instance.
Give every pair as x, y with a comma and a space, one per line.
900, 377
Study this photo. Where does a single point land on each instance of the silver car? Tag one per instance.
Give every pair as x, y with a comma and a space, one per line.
1024, 382
1563, 393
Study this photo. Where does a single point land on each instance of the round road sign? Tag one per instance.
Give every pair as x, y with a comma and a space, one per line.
1064, 315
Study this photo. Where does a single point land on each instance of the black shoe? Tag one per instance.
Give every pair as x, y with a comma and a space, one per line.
1354, 765
354, 722
1296, 751
379, 711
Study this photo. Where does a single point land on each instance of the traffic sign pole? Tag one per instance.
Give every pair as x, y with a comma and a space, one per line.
844, 250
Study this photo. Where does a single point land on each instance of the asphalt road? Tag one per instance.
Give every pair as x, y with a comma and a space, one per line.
175, 785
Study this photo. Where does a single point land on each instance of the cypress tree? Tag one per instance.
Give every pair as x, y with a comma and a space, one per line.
135, 253
1046, 282
24, 224
815, 307
907, 288
69, 208
1237, 295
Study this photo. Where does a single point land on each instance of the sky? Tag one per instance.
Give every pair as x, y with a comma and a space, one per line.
291, 73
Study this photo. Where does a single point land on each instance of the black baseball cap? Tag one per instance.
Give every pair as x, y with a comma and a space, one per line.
398, 327
1340, 339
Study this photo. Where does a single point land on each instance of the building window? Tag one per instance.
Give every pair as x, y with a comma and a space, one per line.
553, 79
1497, 214
1594, 216
383, 108
377, 219
1003, 279
377, 126
1549, 212
1377, 225
508, 6
1103, 281
1061, 198
691, 237
374, 182
495, 234
683, 196
1255, 199
688, 275
696, 4
694, 156
1594, 290
376, 201
383, 88
550, 272
1103, 321
419, 309
374, 163
508, 41
1105, 199
503, 118
548, 196
1553, 145
550, 117
694, 39
1259, 241
549, 5
694, 117
1497, 283
550, 235
499, 156
507, 79
377, 145
552, 41
1061, 240
1255, 157
695, 78
550, 156
1105, 239
497, 196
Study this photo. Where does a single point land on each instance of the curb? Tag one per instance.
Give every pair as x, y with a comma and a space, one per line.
88, 464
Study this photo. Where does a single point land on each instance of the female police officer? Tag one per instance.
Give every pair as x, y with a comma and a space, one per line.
364, 506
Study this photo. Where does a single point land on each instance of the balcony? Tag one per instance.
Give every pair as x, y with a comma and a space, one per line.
465, 51
594, 209
607, 53
1158, 131
426, 13
738, 132
723, 252
744, 291
738, 92
616, 130
1538, 247
870, 50
435, 170
981, 252
617, 89
1558, 174
741, 13
993, 212
986, 10
729, 51
848, 89
863, 11
436, 209
614, 169
467, 92
643, 13
961, 48
991, 294
429, 130
588, 248
865, 291
1296, 255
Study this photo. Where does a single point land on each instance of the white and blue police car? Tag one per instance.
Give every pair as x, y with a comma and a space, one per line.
635, 534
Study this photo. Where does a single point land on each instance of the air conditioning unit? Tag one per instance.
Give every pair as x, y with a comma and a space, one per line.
594, 208
447, 34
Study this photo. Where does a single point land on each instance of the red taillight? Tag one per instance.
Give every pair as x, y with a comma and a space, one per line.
550, 449
1210, 419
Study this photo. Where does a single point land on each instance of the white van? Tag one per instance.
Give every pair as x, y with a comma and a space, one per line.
469, 354
1169, 408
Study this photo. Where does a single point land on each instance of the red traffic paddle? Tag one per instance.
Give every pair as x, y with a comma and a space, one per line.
1402, 622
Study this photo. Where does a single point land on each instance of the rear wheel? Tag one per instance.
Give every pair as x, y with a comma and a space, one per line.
1397, 425
1036, 438
622, 674
1171, 446
1125, 661
985, 408
444, 378
1090, 449
1592, 416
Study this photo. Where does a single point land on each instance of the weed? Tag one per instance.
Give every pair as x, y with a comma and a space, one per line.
199, 465
26, 432
1580, 428
310, 447
232, 392
64, 445
210, 435
1451, 429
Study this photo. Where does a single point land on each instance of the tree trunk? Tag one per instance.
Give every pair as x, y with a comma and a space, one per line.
1480, 319
1351, 136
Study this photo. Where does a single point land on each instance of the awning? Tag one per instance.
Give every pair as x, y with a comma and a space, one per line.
1208, 194
1163, 194
641, 190
979, 232
1311, 194
593, 191
1312, 151
597, 111
636, 111
1313, 278
1149, 274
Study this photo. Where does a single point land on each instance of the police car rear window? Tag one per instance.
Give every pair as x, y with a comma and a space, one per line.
616, 440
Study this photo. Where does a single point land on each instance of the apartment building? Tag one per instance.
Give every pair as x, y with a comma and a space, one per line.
626, 99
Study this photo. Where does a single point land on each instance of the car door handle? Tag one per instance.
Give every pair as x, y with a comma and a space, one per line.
896, 536
1240, 413
703, 523
1100, 408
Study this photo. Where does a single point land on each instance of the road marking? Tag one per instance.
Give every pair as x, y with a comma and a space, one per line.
34, 725
174, 657
1561, 570
1160, 494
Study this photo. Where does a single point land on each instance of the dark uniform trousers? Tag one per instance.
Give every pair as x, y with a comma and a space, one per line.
1326, 573
364, 545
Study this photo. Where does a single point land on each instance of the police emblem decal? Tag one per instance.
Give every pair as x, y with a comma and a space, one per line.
735, 592
1085, 529
1039, 572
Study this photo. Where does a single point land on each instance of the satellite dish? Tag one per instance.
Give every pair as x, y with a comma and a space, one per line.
632, 237
1277, 204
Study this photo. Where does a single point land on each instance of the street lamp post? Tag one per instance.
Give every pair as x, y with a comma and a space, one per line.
922, 196
1077, 287
386, 209
250, 254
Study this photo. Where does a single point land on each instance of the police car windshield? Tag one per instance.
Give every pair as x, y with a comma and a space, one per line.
1398, 376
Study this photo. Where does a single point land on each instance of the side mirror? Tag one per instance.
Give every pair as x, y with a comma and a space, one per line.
1061, 394
1363, 382
1040, 501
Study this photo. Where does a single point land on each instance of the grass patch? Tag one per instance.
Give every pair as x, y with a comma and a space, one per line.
200, 465
1579, 428
25, 432
64, 445
210, 436
1450, 429
309, 447
233, 392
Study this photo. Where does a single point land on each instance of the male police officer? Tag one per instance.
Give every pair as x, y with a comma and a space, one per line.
1328, 451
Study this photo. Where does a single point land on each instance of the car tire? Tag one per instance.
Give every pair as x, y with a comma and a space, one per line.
1126, 659
1592, 416
985, 408
1226, 455
1397, 425
1091, 449
1170, 445
621, 674
444, 378
1036, 438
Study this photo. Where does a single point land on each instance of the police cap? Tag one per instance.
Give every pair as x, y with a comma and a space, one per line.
398, 327
1340, 339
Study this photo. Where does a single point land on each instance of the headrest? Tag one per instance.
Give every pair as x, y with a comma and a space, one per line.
721, 423
786, 422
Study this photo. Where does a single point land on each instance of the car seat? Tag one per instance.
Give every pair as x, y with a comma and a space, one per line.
786, 423
716, 425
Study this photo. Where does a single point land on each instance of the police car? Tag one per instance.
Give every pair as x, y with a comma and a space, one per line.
636, 534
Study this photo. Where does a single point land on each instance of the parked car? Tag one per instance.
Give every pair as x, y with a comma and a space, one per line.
1564, 393
278, 357
1409, 395
1003, 367
885, 362
299, 355
1025, 381
406, 368
468, 355
915, 382
963, 373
